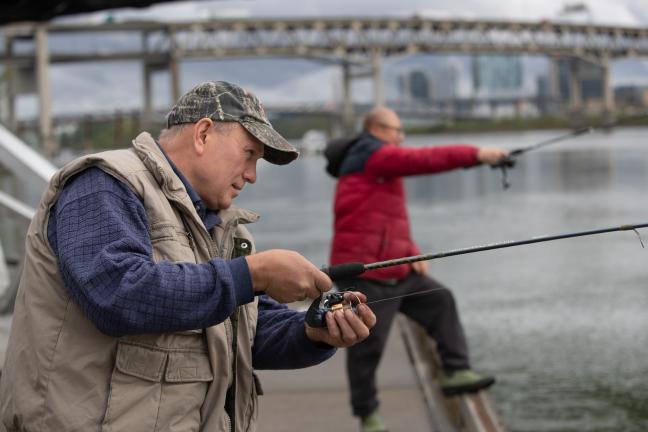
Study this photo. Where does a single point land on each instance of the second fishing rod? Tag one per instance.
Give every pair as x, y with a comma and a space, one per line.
326, 303
509, 162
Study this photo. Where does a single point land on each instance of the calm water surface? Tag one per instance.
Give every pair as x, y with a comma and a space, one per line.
563, 325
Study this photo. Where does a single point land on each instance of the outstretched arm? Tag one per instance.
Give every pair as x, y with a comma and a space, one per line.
396, 161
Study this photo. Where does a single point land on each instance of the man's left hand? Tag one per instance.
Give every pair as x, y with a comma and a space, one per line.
420, 267
345, 327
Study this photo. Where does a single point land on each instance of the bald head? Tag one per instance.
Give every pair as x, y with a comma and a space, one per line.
384, 124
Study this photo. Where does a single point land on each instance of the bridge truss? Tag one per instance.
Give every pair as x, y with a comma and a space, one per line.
358, 44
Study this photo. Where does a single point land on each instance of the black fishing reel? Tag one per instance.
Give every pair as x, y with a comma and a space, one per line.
504, 165
316, 314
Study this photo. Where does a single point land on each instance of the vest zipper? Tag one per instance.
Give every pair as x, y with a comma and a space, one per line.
230, 398
190, 237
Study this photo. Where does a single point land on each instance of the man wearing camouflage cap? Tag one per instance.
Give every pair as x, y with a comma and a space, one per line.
139, 307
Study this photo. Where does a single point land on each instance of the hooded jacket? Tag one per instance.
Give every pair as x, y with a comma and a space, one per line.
371, 220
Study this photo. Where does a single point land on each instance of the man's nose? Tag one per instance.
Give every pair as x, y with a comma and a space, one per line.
250, 175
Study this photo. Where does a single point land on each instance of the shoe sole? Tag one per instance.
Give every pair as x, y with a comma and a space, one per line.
469, 388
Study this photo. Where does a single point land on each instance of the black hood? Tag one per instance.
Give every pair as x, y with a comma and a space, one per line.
349, 155
335, 152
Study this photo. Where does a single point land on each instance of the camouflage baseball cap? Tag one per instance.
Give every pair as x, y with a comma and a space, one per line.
223, 101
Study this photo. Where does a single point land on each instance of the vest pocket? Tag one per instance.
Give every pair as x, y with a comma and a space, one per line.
188, 367
153, 389
252, 411
171, 243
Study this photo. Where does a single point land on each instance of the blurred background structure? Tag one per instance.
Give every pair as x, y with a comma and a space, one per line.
437, 72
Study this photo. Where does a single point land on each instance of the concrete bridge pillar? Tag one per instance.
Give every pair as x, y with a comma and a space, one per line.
174, 68
44, 94
9, 81
378, 87
147, 88
575, 96
607, 91
553, 83
347, 100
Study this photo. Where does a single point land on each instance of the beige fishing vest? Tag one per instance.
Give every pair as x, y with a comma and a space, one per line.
62, 374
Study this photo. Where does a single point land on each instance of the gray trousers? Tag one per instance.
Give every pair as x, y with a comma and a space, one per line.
435, 311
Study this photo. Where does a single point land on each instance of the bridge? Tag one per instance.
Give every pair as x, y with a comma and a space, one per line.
358, 45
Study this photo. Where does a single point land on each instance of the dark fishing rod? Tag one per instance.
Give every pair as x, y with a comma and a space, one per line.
509, 162
326, 303
349, 270
541, 144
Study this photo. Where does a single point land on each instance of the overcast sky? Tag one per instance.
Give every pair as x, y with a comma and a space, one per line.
620, 12
109, 86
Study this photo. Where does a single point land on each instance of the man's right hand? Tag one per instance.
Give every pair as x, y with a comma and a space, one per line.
286, 276
491, 155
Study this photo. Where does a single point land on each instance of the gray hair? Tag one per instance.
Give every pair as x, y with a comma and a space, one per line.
169, 134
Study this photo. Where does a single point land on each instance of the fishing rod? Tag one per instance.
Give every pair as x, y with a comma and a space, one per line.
330, 302
509, 161
571, 134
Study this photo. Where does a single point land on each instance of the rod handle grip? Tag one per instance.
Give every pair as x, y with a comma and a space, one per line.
344, 271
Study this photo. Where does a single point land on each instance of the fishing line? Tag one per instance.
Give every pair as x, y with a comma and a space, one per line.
406, 295
639, 237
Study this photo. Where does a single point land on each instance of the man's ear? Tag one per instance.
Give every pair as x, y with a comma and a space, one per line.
200, 134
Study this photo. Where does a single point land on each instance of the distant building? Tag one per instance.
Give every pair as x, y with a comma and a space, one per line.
496, 75
591, 80
544, 95
631, 96
419, 86
414, 86
444, 83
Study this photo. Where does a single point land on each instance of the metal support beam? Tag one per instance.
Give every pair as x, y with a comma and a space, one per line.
44, 94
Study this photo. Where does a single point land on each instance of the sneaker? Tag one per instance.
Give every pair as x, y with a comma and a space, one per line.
372, 423
464, 381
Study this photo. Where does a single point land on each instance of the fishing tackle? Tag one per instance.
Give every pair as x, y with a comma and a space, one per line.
509, 162
334, 301
315, 316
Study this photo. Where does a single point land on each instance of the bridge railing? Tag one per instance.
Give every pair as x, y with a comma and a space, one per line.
335, 39
24, 174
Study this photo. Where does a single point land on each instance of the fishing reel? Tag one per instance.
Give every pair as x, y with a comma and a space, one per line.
504, 165
316, 314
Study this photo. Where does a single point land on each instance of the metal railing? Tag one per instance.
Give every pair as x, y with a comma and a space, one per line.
30, 173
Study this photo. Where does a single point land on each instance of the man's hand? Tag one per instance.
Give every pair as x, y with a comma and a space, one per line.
286, 276
491, 155
420, 267
344, 327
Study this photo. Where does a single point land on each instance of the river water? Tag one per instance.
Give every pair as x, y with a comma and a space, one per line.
563, 325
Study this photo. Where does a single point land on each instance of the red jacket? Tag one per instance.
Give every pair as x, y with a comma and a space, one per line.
371, 220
